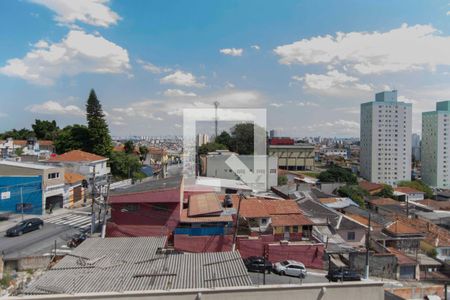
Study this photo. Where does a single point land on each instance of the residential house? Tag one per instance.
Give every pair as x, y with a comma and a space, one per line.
30, 150
74, 190
400, 235
337, 203
149, 208
87, 164
351, 231
434, 204
408, 194
51, 179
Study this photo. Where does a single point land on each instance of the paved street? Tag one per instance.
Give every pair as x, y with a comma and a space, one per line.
59, 227
257, 279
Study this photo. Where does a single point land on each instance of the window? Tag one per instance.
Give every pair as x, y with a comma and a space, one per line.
53, 175
263, 221
351, 235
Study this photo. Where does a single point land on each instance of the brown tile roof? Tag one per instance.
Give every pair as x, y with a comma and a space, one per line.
290, 220
156, 151
436, 205
434, 235
383, 201
204, 204
402, 259
407, 190
363, 220
73, 177
76, 156
370, 186
187, 219
41, 142
398, 227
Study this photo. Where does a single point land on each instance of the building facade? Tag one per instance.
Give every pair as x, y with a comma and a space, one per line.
435, 152
297, 157
386, 126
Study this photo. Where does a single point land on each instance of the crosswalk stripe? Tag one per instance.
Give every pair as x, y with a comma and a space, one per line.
70, 221
74, 220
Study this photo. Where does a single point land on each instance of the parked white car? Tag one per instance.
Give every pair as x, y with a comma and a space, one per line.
290, 267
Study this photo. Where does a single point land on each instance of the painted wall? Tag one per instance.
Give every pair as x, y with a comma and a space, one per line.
214, 243
15, 190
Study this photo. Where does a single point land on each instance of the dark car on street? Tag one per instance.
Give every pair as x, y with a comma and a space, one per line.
25, 226
258, 264
343, 274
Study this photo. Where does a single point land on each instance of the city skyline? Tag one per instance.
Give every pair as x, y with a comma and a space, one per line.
149, 61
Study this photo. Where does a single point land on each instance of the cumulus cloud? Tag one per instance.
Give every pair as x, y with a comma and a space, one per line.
178, 93
400, 49
148, 66
330, 81
256, 47
337, 127
232, 51
55, 108
77, 53
92, 12
182, 78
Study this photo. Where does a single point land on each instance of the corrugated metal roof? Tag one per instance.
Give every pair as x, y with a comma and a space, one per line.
134, 264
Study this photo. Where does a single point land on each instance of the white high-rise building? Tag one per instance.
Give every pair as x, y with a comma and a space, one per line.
202, 139
435, 146
386, 127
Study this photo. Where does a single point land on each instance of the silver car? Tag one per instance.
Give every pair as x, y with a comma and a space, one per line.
290, 267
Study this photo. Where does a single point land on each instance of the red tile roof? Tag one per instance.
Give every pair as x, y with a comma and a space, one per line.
77, 156
399, 227
204, 204
73, 177
383, 201
185, 218
436, 205
290, 220
407, 190
434, 235
402, 259
370, 186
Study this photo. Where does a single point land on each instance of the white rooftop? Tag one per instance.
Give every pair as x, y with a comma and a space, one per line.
25, 165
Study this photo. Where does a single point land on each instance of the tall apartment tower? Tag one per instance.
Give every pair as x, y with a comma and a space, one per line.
386, 128
435, 146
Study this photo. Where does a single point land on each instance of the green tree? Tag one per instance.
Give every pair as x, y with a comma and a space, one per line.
224, 139
355, 193
99, 138
337, 174
210, 147
72, 137
282, 179
18, 151
243, 141
129, 147
21, 134
143, 152
418, 185
45, 130
125, 166
386, 192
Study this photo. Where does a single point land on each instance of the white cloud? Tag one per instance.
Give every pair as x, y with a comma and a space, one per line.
178, 93
256, 47
77, 53
338, 127
401, 49
277, 105
182, 78
307, 103
330, 81
92, 12
55, 108
148, 66
232, 51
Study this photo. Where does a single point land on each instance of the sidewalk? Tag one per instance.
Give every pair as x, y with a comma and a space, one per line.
16, 218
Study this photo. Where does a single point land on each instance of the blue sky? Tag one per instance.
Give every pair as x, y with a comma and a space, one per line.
147, 60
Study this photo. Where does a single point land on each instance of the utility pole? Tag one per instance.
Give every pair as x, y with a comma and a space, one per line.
93, 203
216, 105
21, 201
241, 196
105, 208
367, 249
